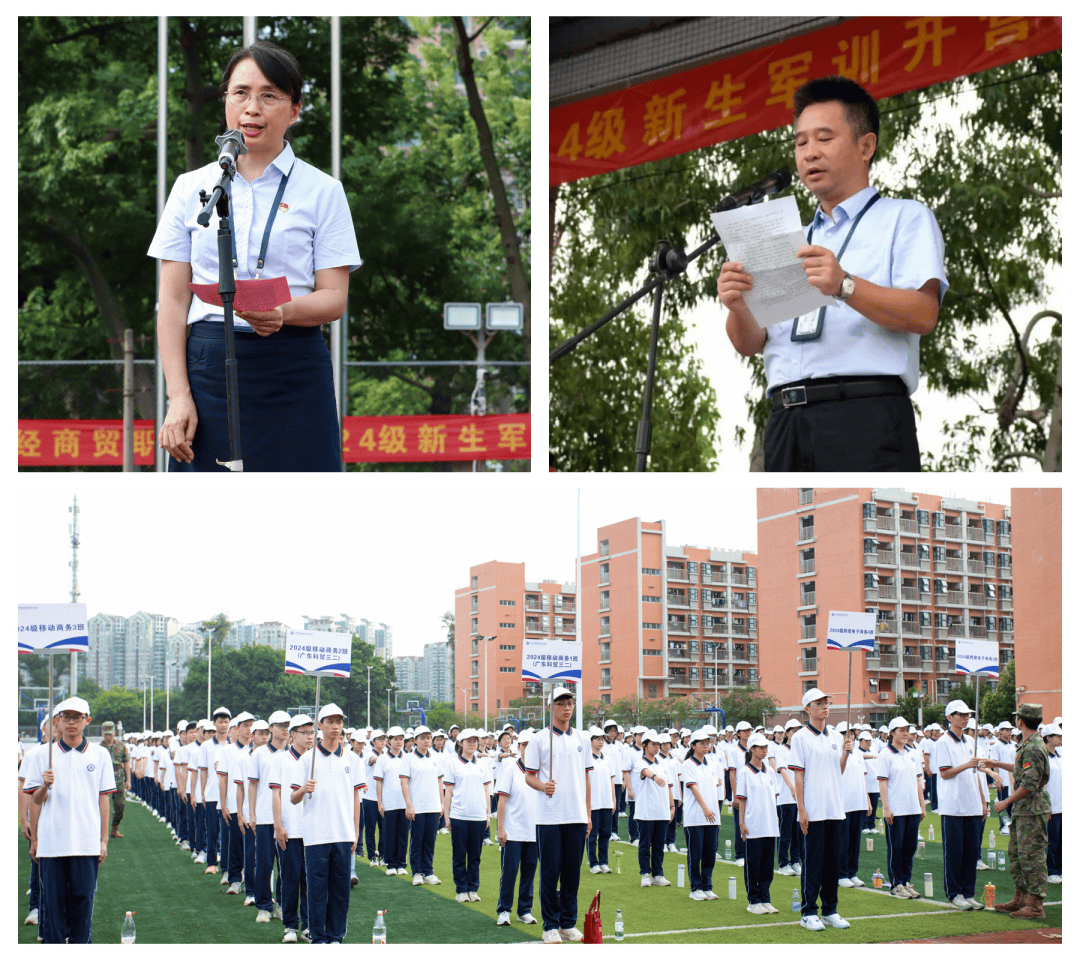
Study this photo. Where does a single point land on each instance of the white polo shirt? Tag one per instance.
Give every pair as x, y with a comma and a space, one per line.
1006, 752
565, 758
759, 791
870, 762
290, 767
519, 811
328, 812
958, 796
854, 781
653, 801
674, 766
698, 773
1053, 785
901, 772
263, 764
207, 760
232, 761
69, 824
600, 780
388, 769
783, 762
817, 754
424, 774
470, 781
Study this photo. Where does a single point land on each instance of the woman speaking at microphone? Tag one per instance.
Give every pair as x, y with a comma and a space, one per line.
288, 220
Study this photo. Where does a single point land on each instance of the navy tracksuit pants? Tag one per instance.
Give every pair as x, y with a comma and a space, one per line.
68, 885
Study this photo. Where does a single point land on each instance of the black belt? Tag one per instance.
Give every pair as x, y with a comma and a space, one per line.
804, 392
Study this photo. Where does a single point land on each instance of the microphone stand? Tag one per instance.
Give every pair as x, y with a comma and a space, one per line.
667, 262
219, 199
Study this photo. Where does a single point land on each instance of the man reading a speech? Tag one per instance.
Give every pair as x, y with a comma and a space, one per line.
840, 377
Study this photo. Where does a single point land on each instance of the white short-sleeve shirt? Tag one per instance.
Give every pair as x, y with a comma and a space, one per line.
424, 774
313, 229
328, 812
759, 791
388, 769
854, 781
207, 760
469, 778
901, 772
263, 765
701, 775
600, 780
519, 811
653, 800
958, 796
817, 754
289, 768
565, 758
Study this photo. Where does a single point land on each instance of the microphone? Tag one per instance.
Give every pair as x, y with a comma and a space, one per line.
775, 182
231, 145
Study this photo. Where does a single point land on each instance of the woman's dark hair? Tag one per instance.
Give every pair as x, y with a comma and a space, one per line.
279, 66
859, 107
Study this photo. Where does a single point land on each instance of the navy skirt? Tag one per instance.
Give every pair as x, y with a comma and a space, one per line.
288, 415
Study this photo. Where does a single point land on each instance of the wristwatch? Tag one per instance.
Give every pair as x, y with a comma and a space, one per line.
847, 287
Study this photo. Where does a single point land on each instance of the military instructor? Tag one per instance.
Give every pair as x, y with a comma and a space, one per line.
121, 770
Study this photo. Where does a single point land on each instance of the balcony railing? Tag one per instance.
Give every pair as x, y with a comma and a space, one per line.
1005, 573
885, 523
888, 661
909, 593
976, 600
911, 629
975, 533
809, 664
1005, 603
806, 566
677, 600
955, 597
908, 526
887, 591
676, 573
808, 598
887, 627
737, 577
678, 626
976, 567
909, 559
886, 558
809, 631
955, 564
912, 663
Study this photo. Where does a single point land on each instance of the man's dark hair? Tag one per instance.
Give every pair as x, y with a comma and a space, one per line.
1032, 723
859, 106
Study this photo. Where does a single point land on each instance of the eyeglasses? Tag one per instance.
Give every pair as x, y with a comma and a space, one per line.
71, 717
268, 101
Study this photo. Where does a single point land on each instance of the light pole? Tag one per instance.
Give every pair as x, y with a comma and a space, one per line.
486, 640
369, 695
391, 685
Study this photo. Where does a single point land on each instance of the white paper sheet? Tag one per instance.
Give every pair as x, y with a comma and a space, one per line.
764, 238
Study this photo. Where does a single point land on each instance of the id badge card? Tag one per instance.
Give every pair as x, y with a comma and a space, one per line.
808, 326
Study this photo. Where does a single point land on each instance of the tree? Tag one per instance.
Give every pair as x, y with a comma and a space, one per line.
993, 180
216, 631
748, 703
1000, 703
121, 706
908, 706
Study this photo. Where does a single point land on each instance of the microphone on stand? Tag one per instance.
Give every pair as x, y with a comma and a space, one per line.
775, 182
231, 145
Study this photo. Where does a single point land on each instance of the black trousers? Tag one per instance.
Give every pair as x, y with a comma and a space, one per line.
868, 433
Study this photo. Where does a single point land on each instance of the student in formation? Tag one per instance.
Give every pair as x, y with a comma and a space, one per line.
1003, 750
331, 802
903, 806
372, 818
289, 829
421, 785
756, 791
260, 734
789, 842
630, 757
69, 825
602, 795
392, 802
465, 807
443, 756
230, 767
1051, 735
34, 760
516, 833
701, 816
208, 779
262, 770
672, 766
856, 808
562, 815
611, 751
655, 807
869, 759
736, 751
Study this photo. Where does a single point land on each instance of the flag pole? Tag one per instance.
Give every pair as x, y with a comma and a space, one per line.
318, 684
849, 688
50, 721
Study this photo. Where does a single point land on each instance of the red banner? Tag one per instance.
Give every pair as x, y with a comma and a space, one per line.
753, 92
68, 443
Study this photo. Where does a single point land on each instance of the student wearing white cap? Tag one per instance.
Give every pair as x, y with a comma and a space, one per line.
630, 757
1051, 735
516, 833
869, 759
756, 792
465, 807
562, 814
903, 806
289, 828
331, 802
672, 766
1003, 750
737, 751
372, 818
34, 760
856, 809
262, 770
421, 784
701, 817
611, 751
206, 763
818, 757
231, 769
442, 756
69, 819
655, 808
789, 841
392, 802
602, 798
962, 806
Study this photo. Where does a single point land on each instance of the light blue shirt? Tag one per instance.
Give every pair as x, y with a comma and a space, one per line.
898, 244
313, 229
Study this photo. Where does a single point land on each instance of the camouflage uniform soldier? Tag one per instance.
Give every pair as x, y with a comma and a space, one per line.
121, 769
1027, 838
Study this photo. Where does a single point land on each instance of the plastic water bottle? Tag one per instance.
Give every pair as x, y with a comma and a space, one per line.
796, 903
682, 875
127, 931
878, 879
931, 833
378, 934
993, 841
727, 849
618, 925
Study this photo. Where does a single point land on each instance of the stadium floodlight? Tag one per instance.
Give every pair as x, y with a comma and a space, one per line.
504, 316
461, 316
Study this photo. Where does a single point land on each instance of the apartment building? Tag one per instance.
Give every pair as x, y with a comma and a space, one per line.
932, 569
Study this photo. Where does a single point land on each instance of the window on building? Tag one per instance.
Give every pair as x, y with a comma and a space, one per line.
475, 644
605, 698
652, 689
605, 626
507, 646
605, 650
651, 571
474, 599
508, 626
475, 690
603, 548
507, 603
507, 669
605, 676
806, 495
474, 582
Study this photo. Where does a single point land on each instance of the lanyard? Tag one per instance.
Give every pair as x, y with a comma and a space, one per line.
798, 330
270, 226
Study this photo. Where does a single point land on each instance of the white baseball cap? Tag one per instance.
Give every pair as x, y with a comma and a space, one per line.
259, 725
242, 718
792, 724
74, 704
897, 722
561, 692
742, 725
300, 720
421, 729
957, 706
395, 732
331, 710
278, 716
650, 735
811, 695
757, 740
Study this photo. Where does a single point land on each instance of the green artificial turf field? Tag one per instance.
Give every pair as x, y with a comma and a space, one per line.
175, 902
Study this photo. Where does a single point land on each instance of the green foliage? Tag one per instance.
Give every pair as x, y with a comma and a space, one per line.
993, 181
1000, 703
749, 704
119, 705
908, 708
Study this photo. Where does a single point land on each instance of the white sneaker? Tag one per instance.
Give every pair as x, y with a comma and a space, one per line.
1054, 878
604, 868
975, 904
865, 830
233, 888
979, 865
224, 879
811, 922
249, 900
595, 869
488, 842
418, 879
474, 897
573, 935
552, 936
305, 935
755, 908
184, 845
740, 862
900, 891
798, 869
709, 895
960, 903
785, 870
290, 936
633, 843
443, 831
462, 898
432, 879
526, 918
845, 882
1005, 830
769, 908
912, 892
201, 858
646, 879
856, 882
263, 916
660, 881
697, 895
835, 920
503, 919
31, 918
277, 914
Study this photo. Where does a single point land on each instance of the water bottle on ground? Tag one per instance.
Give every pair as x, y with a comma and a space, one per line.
878, 879
127, 931
378, 934
796, 903
618, 924
931, 833
993, 840
727, 849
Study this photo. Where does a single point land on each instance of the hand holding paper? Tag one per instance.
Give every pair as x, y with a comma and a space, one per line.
251, 295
